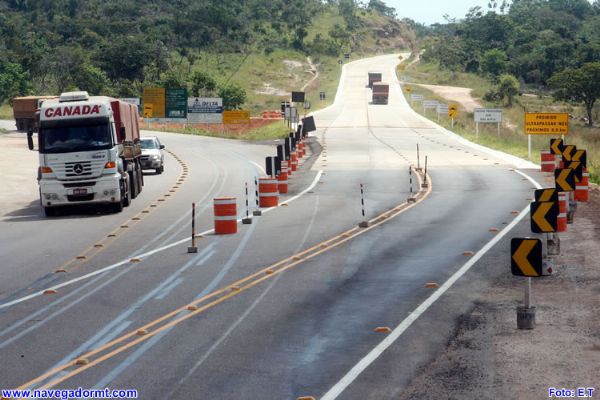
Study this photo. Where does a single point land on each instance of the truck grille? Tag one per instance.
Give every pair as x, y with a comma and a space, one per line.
145, 158
78, 169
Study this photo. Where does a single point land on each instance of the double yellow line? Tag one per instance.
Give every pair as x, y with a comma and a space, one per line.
173, 318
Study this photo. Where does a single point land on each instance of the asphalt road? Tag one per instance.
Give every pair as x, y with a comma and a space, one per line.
294, 329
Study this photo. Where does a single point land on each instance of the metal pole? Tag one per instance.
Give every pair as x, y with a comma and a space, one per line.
529, 146
418, 159
256, 212
452, 122
362, 199
193, 248
498, 129
477, 130
425, 174
527, 299
247, 220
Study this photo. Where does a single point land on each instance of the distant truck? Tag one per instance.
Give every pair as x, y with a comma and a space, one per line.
374, 76
381, 92
89, 152
24, 109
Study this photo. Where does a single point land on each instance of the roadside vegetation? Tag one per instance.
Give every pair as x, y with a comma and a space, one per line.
528, 56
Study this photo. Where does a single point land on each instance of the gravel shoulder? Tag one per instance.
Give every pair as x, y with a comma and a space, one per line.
487, 357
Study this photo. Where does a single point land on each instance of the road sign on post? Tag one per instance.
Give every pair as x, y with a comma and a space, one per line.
544, 216
526, 257
297, 97
564, 179
546, 195
568, 152
556, 146
321, 96
581, 156
545, 124
176, 103
485, 116
156, 98
453, 112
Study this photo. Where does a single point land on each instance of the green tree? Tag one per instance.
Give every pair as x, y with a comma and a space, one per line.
203, 84
233, 96
13, 81
508, 88
494, 62
578, 85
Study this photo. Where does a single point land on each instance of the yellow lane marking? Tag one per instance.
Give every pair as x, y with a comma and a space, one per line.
225, 293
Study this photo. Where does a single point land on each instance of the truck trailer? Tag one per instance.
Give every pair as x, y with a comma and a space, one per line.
374, 76
381, 92
89, 152
24, 109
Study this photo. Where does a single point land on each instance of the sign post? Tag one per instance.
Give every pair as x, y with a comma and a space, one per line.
205, 110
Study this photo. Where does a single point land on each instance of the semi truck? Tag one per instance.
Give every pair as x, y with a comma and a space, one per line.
89, 152
381, 92
374, 76
24, 109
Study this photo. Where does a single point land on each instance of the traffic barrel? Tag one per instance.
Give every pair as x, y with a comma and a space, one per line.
282, 178
294, 160
562, 211
268, 192
547, 161
582, 189
225, 210
301, 150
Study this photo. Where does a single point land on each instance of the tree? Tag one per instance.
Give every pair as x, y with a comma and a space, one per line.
494, 62
13, 81
508, 88
202, 84
578, 85
233, 96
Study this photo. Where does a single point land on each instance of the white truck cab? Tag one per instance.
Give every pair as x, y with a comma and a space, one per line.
84, 152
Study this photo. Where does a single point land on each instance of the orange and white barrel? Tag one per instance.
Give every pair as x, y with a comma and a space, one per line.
294, 161
268, 192
301, 150
582, 189
282, 178
562, 211
547, 161
225, 215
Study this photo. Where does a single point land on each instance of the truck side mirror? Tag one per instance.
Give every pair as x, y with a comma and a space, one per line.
30, 139
162, 146
122, 134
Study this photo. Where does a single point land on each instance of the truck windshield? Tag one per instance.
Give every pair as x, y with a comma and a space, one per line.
75, 136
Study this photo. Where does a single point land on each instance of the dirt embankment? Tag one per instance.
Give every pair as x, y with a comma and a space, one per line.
489, 358
455, 94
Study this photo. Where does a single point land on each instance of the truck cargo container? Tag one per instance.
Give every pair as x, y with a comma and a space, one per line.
89, 152
381, 92
24, 109
374, 76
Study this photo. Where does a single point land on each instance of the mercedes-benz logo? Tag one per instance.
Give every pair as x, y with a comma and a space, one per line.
78, 169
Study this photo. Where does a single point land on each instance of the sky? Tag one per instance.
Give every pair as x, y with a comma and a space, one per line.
432, 11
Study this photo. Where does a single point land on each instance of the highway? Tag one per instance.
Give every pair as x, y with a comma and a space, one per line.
232, 321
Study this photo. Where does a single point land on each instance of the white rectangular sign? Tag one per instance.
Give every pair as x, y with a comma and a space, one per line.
442, 108
205, 110
488, 115
131, 100
417, 97
430, 104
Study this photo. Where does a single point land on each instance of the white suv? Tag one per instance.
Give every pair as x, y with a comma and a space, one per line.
152, 155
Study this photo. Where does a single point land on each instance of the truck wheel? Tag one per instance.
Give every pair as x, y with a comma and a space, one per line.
133, 183
140, 178
126, 192
50, 211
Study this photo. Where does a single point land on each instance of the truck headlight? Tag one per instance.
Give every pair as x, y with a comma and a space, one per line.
155, 157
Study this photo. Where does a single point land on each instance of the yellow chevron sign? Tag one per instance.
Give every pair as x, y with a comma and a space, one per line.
568, 152
580, 155
546, 195
544, 217
564, 179
556, 146
577, 168
526, 257
453, 111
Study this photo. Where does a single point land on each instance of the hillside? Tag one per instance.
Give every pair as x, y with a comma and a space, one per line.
213, 48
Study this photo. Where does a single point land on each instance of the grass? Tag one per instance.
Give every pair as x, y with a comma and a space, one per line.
6, 111
512, 140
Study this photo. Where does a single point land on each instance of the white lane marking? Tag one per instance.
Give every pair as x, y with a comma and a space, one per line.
151, 342
205, 258
168, 289
247, 312
367, 360
144, 255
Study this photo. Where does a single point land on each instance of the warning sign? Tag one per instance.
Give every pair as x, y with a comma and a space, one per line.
155, 98
236, 117
546, 123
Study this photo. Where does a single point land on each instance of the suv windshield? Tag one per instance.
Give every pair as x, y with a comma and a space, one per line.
148, 144
75, 137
